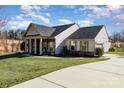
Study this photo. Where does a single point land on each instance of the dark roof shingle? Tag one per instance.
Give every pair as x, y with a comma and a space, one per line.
60, 28
86, 32
35, 29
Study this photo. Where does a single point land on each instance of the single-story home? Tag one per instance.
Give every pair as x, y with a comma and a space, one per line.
40, 39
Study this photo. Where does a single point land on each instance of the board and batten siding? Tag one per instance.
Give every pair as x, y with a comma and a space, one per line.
102, 38
62, 36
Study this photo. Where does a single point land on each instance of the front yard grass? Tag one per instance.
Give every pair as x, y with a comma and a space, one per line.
120, 53
17, 68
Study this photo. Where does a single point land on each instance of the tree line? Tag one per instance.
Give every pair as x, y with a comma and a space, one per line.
117, 36
7, 35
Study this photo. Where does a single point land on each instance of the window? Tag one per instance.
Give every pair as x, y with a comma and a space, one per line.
51, 47
51, 44
84, 45
72, 45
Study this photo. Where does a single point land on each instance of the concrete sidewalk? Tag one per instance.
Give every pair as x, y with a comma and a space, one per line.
107, 74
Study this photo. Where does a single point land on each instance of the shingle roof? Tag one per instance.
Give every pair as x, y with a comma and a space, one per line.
86, 32
35, 29
60, 28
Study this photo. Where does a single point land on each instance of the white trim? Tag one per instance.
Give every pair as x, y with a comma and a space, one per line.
40, 47
29, 45
25, 45
35, 46
60, 38
78, 45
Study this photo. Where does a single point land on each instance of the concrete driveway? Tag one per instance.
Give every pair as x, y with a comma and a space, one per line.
107, 74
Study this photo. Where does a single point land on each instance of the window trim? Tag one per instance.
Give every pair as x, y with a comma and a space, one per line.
86, 45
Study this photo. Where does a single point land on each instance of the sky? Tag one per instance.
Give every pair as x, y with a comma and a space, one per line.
21, 16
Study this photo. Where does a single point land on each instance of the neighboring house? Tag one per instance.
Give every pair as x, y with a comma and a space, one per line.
41, 39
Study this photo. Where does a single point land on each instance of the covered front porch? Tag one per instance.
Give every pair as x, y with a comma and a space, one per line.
40, 46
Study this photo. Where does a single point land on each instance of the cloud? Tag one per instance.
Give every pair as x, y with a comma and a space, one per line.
34, 12
102, 11
84, 23
99, 11
42, 18
114, 7
14, 25
70, 6
64, 21
26, 9
119, 19
18, 18
48, 14
18, 23
45, 7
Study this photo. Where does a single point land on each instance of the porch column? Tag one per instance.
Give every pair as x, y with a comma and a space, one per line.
30, 46
35, 46
78, 45
40, 46
26, 47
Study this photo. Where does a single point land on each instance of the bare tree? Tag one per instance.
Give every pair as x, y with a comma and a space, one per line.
3, 23
116, 36
3, 19
122, 35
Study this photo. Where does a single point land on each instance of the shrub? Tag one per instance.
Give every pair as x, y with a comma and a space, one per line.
51, 51
64, 51
22, 46
88, 54
99, 51
112, 49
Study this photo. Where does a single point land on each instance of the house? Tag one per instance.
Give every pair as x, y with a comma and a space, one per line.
41, 39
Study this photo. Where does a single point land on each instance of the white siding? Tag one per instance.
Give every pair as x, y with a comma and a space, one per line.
67, 43
62, 36
102, 38
91, 45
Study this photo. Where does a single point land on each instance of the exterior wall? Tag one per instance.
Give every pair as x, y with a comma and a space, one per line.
102, 38
62, 36
91, 44
67, 43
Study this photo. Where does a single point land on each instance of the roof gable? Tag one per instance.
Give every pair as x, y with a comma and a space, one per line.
86, 32
61, 28
35, 29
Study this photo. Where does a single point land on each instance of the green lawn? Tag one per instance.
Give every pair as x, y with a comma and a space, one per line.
17, 68
115, 52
